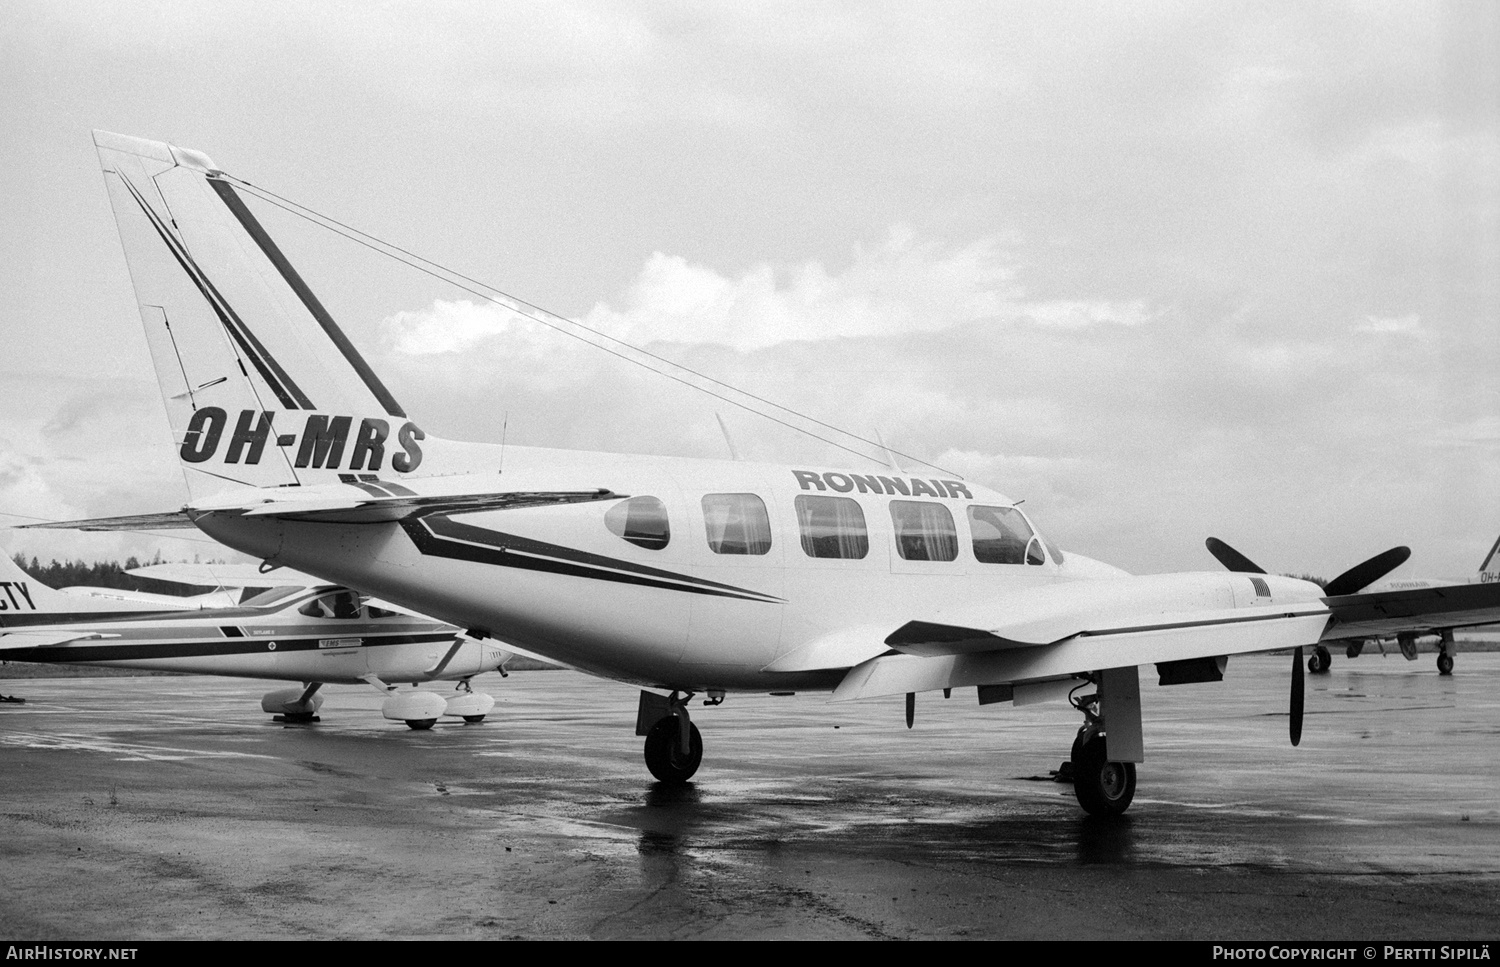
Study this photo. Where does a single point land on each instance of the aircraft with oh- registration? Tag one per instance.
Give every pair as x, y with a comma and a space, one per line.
1406, 641
686, 577
298, 630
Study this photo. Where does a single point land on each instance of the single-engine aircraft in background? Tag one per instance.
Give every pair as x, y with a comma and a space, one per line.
684, 576
1406, 641
316, 635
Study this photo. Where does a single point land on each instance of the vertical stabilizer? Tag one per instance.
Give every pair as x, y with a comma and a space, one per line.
1489, 571
261, 386
24, 599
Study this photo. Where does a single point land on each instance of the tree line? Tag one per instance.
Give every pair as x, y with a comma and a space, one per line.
103, 574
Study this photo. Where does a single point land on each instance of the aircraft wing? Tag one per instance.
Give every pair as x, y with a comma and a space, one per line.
1021, 640
322, 506
932, 656
1383, 614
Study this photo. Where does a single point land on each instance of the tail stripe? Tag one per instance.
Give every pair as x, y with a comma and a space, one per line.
289, 274
1490, 557
281, 384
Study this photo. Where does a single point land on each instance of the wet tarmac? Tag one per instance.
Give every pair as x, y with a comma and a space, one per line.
153, 808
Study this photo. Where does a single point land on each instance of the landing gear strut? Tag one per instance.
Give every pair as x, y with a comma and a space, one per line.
674, 747
1445, 652
1103, 788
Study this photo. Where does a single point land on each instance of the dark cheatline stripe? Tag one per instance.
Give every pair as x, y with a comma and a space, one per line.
439, 536
394, 489
272, 373
275, 377
251, 225
199, 648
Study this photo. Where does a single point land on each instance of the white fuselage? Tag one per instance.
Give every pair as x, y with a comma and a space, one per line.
676, 613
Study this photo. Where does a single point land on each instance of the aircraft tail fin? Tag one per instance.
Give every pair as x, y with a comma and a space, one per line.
1489, 571
261, 386
23, 598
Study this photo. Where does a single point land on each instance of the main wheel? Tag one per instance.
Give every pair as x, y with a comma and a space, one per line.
1445, 663
1320, 661
1103, 788
664, 755
420, 724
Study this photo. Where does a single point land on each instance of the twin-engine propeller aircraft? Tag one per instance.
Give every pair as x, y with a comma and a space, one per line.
316, 635
691, 577
1406, 641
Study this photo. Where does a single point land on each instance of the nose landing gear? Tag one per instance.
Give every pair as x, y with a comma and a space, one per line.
674, 746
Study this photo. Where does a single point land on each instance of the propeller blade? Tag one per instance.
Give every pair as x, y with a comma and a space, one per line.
1231, 558
911, 708
1296, 713
1361, 576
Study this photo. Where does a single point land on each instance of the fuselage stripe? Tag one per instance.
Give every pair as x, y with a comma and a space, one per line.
465, 542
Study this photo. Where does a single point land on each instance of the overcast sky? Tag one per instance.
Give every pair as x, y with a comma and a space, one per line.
1163, 270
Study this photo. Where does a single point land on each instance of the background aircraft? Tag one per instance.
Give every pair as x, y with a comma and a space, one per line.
1406, 641
315, 635
688, 576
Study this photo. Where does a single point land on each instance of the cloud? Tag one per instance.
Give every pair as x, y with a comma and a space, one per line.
902, 285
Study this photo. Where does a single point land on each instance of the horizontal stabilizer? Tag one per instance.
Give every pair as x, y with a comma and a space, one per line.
173, 520
379, 510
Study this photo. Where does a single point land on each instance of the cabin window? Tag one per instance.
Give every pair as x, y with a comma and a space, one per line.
832, 527
737, 524
924, 531
640, 520
343, 604
1002, 536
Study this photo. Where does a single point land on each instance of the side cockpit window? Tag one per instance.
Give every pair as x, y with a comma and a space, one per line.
342, 605
737, 524
640, 520
924, 531
1002, 536
832, 527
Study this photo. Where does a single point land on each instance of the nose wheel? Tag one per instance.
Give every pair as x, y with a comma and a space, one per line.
670, 759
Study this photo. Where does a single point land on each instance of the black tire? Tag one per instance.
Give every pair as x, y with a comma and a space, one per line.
420, 724
664, 755
1445, 663
473, 719
1320, 661
1103, 788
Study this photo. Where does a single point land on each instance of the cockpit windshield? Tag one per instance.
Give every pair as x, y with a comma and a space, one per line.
1002, 536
